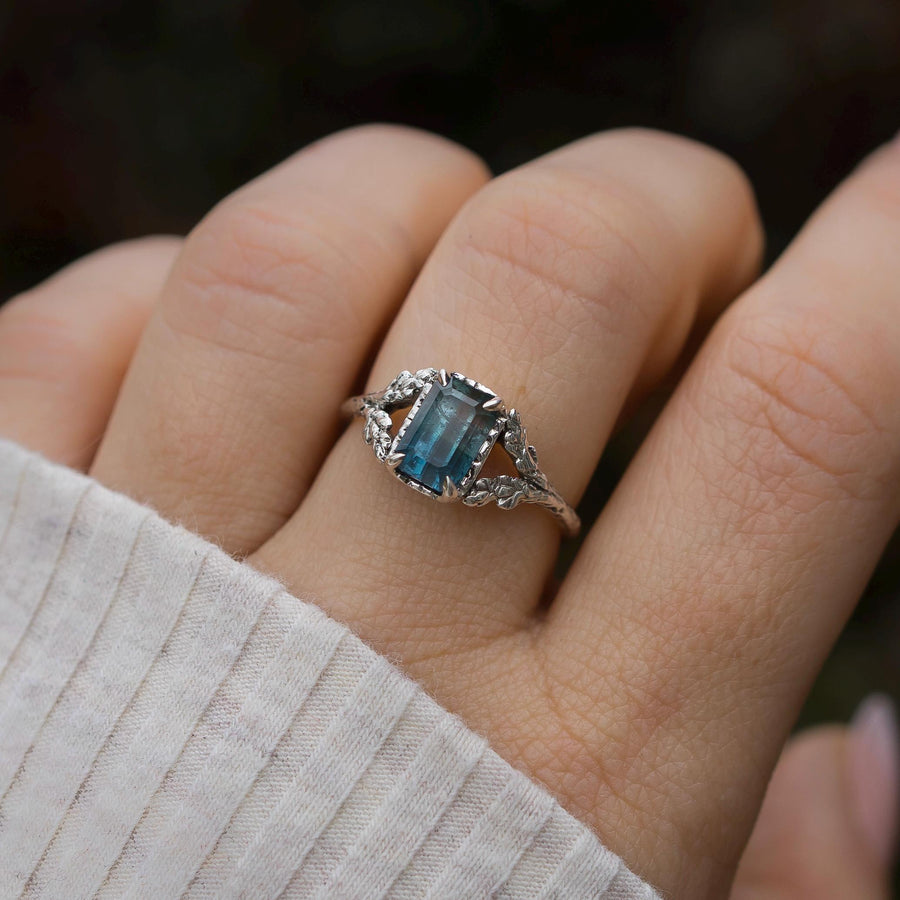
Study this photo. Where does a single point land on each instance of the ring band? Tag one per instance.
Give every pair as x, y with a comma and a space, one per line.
452, 425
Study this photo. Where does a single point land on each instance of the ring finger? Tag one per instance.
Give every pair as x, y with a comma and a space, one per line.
558, 285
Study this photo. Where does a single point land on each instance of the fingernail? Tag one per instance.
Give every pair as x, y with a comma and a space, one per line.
873, 761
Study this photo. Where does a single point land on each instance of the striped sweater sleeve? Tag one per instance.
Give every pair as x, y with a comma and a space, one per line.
173, 723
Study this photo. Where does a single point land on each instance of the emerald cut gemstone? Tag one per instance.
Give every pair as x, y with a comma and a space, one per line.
445, 434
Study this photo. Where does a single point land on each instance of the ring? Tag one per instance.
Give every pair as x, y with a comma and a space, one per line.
450, 429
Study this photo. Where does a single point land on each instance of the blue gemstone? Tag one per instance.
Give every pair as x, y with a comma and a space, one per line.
444, 437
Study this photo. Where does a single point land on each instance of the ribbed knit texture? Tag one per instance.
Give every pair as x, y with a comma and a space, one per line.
173, 723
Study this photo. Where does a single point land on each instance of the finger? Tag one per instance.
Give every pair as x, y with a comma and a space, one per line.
555, 286
65, 346
828, 823
272, 306
742, 534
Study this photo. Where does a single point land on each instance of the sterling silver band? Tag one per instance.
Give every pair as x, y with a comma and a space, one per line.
409, 389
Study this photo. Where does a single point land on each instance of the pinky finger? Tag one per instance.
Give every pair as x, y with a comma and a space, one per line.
828, 824
65, 346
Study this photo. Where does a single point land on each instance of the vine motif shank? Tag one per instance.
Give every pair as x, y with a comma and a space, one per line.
507, 490
377, 406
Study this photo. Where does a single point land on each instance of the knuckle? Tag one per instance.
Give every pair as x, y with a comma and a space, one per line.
254, 278
150, 246
405, 141
721, 175
878, 187
55, 331
679, 147
369, 134
724, 168
133, 271
38, 342
811, 394
561, 249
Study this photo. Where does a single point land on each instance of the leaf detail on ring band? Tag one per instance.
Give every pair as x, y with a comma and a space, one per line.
524, 455
406, 385
377, 431
506, 490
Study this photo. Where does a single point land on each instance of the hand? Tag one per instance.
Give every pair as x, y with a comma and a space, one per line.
654, 694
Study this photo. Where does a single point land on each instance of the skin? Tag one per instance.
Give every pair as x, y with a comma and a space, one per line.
654, 696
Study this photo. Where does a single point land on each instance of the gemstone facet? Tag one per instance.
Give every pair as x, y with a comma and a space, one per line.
444, 436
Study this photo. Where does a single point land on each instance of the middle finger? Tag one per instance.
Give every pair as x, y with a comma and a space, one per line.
276, 298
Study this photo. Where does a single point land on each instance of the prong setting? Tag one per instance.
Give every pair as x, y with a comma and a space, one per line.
449, 491
400, 442
394, 459
450, 428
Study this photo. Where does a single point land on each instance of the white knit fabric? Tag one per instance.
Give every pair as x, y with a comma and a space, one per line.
173, 723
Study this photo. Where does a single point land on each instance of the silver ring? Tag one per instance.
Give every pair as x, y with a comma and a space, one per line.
451, 427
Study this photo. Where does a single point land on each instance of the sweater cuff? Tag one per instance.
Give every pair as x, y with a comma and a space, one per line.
174, 723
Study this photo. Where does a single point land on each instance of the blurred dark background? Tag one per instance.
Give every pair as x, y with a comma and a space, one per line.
121, 119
